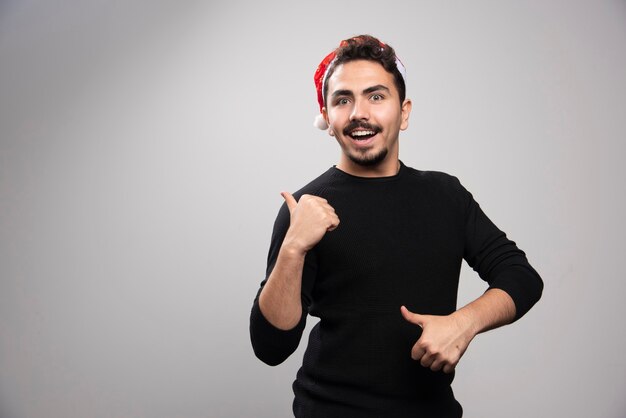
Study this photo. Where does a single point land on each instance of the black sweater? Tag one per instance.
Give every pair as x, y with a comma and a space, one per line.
401, 241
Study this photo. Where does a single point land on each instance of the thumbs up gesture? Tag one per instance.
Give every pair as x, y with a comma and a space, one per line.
443, 341
311, 218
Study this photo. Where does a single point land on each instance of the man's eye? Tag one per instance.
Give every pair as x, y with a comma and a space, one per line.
343, 101
377, 97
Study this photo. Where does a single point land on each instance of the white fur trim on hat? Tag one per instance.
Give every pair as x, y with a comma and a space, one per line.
320, 122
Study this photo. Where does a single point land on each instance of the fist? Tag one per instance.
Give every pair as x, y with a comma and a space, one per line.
311, 218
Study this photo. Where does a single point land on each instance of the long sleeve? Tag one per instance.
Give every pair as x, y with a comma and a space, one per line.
270, 344
498, 260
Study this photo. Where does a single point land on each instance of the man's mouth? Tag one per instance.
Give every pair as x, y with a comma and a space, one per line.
361, 131
362, 134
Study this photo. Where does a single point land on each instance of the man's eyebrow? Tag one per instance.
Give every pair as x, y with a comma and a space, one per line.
337, 93
375, 88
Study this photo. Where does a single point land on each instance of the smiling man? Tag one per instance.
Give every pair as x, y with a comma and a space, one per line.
374, 249
366, 119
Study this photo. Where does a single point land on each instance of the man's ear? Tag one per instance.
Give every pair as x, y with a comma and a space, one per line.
406, 112
325, 116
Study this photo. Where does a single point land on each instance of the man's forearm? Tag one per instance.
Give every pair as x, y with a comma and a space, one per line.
280, 298
491, 310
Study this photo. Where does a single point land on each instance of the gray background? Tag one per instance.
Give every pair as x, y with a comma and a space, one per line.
143, 146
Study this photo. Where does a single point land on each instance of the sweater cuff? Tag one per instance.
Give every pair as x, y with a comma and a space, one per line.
523, 284
273, 345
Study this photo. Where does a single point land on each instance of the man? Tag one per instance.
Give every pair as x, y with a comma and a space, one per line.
374, 249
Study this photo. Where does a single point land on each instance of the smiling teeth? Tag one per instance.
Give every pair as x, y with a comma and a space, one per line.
362, 133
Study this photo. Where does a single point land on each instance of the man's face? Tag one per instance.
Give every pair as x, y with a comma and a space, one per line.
364, 114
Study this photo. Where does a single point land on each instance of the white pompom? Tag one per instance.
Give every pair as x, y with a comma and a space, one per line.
320, 122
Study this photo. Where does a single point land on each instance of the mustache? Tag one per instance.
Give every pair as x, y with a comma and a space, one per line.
356, 124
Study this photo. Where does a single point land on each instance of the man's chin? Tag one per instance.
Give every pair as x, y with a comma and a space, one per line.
369, 160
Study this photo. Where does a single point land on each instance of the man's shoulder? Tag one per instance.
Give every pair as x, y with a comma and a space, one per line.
317, 185
440, 188
434, 178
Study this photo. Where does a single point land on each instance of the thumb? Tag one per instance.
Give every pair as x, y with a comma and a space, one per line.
289, 200
412, 317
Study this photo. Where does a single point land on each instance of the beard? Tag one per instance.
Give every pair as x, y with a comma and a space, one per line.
368, 160
361, 158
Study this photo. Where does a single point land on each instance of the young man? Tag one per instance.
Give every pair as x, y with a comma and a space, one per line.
374, 249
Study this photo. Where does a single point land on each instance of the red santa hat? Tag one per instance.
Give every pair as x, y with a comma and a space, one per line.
321, 74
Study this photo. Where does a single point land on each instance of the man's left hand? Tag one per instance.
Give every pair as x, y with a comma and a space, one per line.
443, 341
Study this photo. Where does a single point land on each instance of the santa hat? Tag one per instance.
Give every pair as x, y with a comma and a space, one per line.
321, 74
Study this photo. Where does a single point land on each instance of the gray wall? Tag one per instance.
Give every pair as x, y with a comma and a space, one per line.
143, 146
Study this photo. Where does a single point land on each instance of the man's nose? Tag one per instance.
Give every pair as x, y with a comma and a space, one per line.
360, 110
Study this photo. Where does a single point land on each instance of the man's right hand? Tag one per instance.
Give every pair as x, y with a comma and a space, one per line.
311, 218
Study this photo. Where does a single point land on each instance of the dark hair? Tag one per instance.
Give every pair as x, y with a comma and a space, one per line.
366, 47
